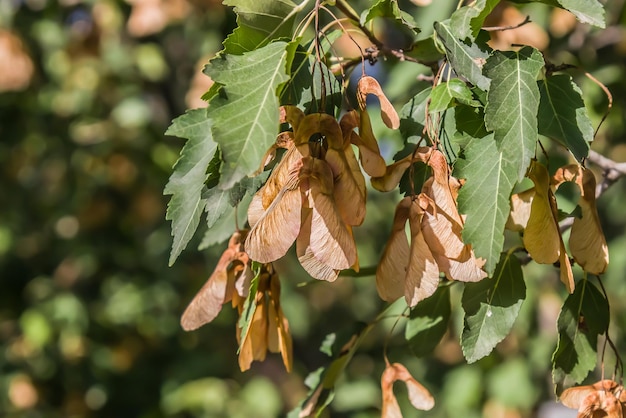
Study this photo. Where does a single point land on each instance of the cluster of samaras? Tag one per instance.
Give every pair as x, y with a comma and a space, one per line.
605, 398
317, 193
535, 212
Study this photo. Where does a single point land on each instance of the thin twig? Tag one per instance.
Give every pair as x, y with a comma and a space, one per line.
510, 27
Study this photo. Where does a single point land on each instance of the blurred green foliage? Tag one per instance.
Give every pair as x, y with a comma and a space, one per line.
89, 309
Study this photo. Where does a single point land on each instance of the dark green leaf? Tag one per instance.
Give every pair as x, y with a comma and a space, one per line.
584, 316
187, 182
442, 95
413, 116
304, 89
428, 322
224, 226
389, 9
491, 307
259, 23
468, 20
250, 305
425, 50
563, 116
466, 58
512, 104
484, 198
245, 114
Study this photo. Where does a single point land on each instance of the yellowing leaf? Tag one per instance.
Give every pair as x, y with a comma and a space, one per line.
542, 238
587, 241
419, 396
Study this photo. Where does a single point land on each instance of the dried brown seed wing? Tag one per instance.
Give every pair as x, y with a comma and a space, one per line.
330, 241
391, 270
587, 241
574, 396
349, 185
217, 290
419, 396
369, 85
422, 274
277, 229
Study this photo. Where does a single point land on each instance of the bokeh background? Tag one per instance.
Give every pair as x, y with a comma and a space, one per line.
89, 309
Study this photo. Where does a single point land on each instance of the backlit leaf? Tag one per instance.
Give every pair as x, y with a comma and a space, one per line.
188, 179
245, 114
586, 11
491, 307
512, 104
562, 114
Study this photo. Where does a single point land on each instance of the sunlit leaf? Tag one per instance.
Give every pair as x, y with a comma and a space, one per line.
441, 96
259, 23
428, 322
245, 114
491, 307
484, 198
187, 181
468, 20
513, 102
586, 11
466, 58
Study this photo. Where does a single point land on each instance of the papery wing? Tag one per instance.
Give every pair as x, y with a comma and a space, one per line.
270, 238
392, 268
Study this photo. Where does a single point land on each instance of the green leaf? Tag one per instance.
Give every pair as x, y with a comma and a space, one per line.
428, 322
466, 58
342, 347
425, 50
304, 88
563, 116
484, 198
442, 95
245, 113
389, 9
584, 316
468, 20
512, 104
250, 305
412, 118
259, 23
187, 181
491, 307
586, 11
224, 226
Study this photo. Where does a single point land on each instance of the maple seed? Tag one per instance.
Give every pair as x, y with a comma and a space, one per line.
419, 396
605, 398
369, 85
